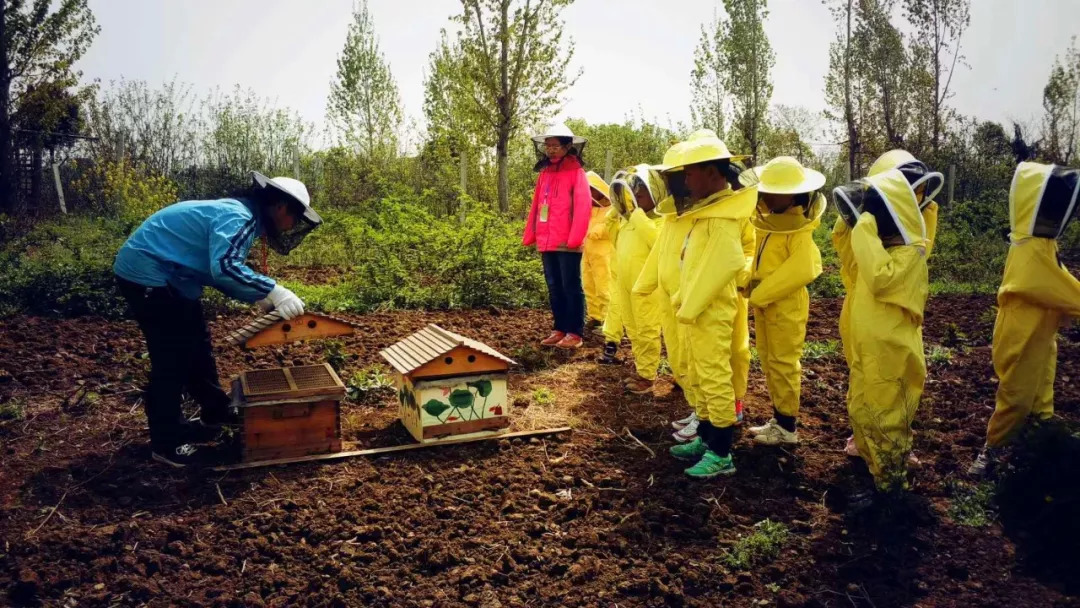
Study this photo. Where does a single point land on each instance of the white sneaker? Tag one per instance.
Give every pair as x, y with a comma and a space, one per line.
774, 434
688, 432
757, 430
851, 449
985, 462
680, 424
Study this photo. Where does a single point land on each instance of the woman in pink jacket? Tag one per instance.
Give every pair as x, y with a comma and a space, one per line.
557, 225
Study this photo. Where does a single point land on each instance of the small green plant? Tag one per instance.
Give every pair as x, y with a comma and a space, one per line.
939, 356
773, 587
665, 367
762, 545
972, 504
755, 361
369, 383
12, 410
953, 337
543, 396
531, 358
988, 316
334, 353
814, 351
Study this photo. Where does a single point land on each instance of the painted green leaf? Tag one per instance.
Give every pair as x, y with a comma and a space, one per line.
461, 399
435, 407
483, 387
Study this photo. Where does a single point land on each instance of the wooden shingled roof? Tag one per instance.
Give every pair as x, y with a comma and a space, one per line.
429, 344
307, 326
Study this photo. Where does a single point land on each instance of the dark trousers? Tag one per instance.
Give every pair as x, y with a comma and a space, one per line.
180, 359
562, 270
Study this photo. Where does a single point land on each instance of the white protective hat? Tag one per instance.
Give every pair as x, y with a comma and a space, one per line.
294, 188
559, 129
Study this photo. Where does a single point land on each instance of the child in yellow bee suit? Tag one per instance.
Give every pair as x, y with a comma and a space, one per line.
633, 197
787, 260
595, 263
1036, 296
661, 276
706, 301
887, 250
841, 238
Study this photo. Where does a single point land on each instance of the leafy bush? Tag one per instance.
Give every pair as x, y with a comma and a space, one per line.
762, 545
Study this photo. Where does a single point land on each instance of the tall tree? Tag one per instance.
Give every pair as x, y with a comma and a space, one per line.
882, 59
708, 79
938, 25
512, 70
749, 58
39, 43
364, 104
840, 86
1061, 103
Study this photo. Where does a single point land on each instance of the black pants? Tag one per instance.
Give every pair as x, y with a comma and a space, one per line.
562, 270
180, 359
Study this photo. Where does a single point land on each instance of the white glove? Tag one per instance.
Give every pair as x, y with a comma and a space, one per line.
284, 302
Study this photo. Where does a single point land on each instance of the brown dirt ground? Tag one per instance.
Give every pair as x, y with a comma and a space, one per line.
583, 519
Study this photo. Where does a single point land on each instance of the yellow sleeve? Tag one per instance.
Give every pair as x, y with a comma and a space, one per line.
719, 262
611, 222
644, 227
877, 268
749, 244
802, 266
1042, 281
649, 279
841, 240
929, 216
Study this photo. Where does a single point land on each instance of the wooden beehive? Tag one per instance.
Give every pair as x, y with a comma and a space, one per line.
289, 411
449, 385
271, 329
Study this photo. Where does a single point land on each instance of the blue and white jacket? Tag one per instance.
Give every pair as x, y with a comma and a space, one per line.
194, 244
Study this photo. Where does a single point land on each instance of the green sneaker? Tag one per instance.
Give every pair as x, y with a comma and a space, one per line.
711, 465
692, 451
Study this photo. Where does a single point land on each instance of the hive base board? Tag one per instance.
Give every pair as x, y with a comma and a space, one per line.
386, 450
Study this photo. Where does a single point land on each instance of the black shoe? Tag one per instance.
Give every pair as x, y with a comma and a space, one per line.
183, 455
609, 358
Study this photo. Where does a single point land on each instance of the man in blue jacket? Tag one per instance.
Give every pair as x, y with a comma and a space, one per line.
161, 271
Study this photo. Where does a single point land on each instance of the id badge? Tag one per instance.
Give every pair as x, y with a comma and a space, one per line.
544, 212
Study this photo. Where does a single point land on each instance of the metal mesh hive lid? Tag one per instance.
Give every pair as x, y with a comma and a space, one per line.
289, 382
429, 344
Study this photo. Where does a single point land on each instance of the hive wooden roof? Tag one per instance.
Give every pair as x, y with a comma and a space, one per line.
429, 344
337, 327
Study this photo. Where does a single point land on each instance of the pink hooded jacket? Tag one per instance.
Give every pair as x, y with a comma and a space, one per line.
565, 189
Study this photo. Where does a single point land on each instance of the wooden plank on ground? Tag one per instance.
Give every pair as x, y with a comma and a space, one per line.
387, 450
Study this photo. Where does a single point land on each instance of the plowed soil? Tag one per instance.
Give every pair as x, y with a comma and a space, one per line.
588, 518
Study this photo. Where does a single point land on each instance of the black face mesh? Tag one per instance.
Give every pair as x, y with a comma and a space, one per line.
285, 241
1057, 207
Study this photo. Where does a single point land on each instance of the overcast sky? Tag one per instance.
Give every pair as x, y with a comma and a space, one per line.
286, 50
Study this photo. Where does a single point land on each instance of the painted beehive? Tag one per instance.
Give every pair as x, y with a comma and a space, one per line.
289, 411
272, 329
449, 384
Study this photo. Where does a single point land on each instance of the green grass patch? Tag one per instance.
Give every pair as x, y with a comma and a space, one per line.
972, 504
760, 546
814, 351
939, 356
369, 383
543, 396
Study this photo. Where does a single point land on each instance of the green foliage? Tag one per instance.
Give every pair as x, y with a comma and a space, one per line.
761, 546
62, 267
543, 396
118, 189
334, 354
953, 337
814, 351
14, 409
972, 504
364, 105
708, 79
630, 143
939, 356
749, 59
369, 383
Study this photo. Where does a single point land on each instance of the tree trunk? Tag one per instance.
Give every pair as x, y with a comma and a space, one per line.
849, 111
35, 201
7, 201
502, 154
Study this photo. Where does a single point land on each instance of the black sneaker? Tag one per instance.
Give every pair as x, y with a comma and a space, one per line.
181, 456
609, 358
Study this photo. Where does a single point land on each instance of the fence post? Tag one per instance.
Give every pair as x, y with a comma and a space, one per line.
607, 165
59, 187
952, 182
